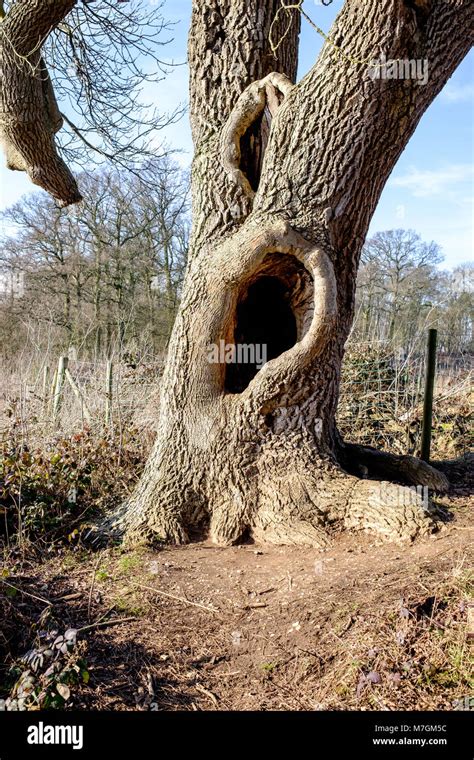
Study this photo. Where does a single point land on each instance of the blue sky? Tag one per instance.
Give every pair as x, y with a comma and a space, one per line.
431, 188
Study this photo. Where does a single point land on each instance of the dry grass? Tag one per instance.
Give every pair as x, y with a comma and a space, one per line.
26, 409
381, 400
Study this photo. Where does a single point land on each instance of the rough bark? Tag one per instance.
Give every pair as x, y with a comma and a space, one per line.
267, 460
29, 115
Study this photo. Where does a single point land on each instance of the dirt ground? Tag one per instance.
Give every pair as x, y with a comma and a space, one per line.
362, 625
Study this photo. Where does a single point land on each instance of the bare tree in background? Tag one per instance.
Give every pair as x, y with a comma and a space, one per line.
458, 313
273, 259
104, 275
397, 286
401, 293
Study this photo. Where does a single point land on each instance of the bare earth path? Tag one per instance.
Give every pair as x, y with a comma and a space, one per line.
361, 625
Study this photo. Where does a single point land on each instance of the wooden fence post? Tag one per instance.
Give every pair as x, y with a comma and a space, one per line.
59, 384
78, 394
108, 392
428, 400
52, 391
45, 388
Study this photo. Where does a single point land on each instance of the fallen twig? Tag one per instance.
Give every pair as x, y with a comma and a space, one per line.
176, 598
106, 622
70, 597
208, 693
27, 593
102, 617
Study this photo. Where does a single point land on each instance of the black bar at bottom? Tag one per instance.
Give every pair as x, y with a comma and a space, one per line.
315, 735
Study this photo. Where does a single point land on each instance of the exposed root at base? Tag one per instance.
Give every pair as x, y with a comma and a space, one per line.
293, 499
381, 465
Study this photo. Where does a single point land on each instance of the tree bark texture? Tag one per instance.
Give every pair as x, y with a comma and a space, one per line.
265, 458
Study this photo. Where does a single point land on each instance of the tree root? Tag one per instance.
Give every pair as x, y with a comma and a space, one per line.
374, 464
391, 511
294, 509
308, 511
289, 495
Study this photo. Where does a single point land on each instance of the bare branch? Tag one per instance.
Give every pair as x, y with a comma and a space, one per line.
29, 116
96, 58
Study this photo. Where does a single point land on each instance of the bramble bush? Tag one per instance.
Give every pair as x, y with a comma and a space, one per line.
53, 490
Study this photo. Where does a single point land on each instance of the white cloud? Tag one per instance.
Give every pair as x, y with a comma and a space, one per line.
424, 182
457, 93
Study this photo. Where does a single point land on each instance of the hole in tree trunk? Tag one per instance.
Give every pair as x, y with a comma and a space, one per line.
273, 312
252, 148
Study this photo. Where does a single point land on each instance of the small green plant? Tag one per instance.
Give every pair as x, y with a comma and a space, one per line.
127, 606
129, 562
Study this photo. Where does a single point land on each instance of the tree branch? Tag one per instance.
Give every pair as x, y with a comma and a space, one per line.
29, 116
341, 130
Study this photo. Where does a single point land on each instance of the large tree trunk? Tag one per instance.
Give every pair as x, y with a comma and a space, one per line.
258, 453
285, 181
